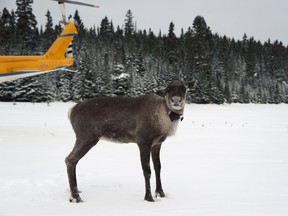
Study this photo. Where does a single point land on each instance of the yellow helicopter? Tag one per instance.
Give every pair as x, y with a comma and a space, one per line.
15, 67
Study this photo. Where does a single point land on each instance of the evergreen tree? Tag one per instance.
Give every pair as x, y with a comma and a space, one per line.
106, 31
2, 34
7, 90
171, 44
64, 86
49, 33
130, 43
7, 31
202, 59
118, 47
224, 67
80, 26
250, 58
171, 47
27, 31
129, 26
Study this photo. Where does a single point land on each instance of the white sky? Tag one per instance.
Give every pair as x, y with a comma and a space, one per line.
261, 19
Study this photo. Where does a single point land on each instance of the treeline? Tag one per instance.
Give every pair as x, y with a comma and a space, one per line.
129, 61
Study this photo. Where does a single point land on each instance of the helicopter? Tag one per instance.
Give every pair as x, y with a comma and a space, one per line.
58, 57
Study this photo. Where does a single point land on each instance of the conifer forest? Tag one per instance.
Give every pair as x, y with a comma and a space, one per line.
126, 61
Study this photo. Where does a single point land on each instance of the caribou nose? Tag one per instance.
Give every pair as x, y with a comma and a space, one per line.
176, 99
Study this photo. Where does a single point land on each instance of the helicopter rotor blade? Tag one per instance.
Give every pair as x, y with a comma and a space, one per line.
63, 12
77, 3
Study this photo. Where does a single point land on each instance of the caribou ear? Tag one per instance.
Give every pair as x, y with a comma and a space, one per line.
190, 84
161, 93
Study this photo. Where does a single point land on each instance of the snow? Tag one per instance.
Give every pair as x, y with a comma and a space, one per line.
121, 76
226, 160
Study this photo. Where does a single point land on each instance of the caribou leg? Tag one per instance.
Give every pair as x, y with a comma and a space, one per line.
79, 150
155, 151
145, 162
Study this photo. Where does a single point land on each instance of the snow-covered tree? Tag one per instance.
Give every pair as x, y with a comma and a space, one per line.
131, 62
27, 31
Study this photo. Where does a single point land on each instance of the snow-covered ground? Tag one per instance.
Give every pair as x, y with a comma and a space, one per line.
225, 160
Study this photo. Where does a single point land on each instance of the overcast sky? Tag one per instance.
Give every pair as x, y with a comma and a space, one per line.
261, 19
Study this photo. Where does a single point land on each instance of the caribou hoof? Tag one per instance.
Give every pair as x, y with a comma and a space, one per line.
149, 198
76, 200
160, 194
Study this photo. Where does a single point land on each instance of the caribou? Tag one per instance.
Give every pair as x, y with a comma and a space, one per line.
146, 120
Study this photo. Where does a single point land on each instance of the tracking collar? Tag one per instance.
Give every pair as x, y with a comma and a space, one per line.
175, 116
172, 115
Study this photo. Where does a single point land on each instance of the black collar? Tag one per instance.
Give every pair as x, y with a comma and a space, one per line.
172, 115
175, 116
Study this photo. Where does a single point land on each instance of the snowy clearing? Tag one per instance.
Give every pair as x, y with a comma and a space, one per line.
226, 160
